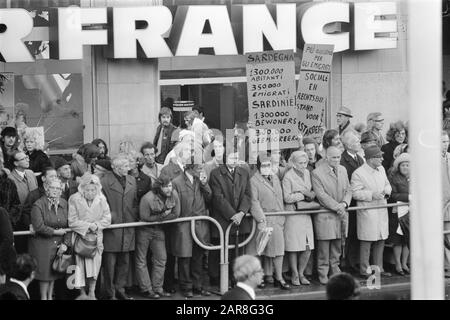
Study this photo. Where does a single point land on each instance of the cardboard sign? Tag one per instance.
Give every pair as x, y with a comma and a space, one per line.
312, 91
271, 98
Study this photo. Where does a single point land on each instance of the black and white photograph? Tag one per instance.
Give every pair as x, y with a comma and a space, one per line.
202, 155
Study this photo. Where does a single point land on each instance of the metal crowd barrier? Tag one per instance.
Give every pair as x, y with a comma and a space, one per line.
224, 245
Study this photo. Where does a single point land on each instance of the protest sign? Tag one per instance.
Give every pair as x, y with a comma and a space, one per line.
271, 98
312, 91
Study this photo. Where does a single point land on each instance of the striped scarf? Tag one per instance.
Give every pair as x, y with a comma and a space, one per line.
53, 202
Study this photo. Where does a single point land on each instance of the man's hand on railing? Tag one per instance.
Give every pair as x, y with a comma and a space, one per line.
59, 232
377, 195
237, 218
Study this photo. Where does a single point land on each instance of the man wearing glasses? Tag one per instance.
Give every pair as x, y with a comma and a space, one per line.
375, 124
248, 273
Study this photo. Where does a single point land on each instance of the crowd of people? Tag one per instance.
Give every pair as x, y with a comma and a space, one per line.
352, 165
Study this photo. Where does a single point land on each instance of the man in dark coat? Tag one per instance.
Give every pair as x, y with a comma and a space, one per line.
193, 191
351, 161
163, 138
7, 250
172, 170
121, 192
248, 273
230, 185
16, 288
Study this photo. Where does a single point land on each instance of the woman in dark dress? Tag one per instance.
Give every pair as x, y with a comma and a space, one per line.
399, 180
49, 217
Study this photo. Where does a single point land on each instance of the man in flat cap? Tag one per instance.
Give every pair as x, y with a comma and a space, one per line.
332, 188
375, 124
370, 187
343, 120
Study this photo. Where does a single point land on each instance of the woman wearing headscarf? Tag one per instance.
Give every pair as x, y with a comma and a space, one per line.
267, 196
49, 220
88, 213
298, 230
399, 180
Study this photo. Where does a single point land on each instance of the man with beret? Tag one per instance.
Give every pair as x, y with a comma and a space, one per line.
343, 120
64, 172
375, 124
371, 187
332, 188
9, 142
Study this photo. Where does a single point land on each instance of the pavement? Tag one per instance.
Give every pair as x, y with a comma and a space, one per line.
390, 288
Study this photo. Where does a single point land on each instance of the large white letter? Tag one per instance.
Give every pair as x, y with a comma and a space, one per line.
315, 16
187, 32
159, 21
19, 24
71, 37
366, 27
257, 21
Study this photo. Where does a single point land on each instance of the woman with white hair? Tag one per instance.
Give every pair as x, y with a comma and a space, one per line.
33, 149
88, 213
298, 230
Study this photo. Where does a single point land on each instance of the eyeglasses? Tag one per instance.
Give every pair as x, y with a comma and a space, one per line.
24, 158
380, 120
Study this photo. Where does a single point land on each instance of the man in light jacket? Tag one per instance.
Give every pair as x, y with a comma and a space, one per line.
332, 188
371, 187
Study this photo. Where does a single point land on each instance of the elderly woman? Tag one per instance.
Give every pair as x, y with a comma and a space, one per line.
88, 213
399, 180
38, 159
160, 204
397, 135
298, 230
49, 218
267, 196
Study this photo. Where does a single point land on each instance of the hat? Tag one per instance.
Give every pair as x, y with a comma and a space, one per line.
105, 164
9, 131
373, 116
346, 112
59, 162
404, 157
372, 152
368, 137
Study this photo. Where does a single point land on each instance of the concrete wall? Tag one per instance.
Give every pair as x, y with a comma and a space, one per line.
373, 81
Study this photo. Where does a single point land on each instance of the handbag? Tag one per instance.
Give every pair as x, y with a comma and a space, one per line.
62, 262
85, 246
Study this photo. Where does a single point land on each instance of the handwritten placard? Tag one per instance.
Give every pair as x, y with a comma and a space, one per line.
312, 91
271, 98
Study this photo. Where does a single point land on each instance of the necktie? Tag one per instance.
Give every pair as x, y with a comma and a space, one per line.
335, 171
25, 179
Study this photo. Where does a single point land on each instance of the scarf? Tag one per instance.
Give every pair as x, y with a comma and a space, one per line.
53, 202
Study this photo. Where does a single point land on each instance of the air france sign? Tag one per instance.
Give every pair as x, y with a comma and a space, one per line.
153, 32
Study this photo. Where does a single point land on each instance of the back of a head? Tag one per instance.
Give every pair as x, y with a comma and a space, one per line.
244, 266
342, 286
23, 267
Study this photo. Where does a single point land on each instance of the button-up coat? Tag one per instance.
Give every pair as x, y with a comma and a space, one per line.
193, 198
330, 191
372, 224
124, 208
